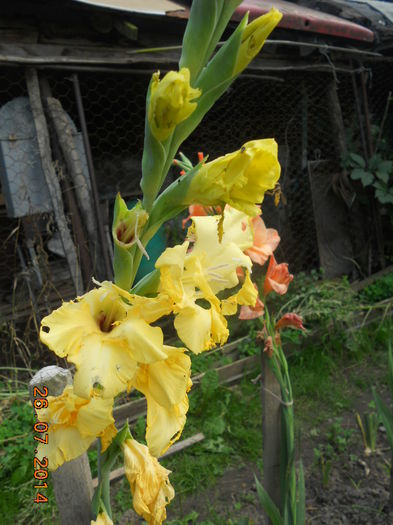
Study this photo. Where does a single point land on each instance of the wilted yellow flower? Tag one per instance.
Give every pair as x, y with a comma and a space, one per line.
73, 424
102, 519
170, 102
149, 483
165, 385
240, 178
104, 339
254, 37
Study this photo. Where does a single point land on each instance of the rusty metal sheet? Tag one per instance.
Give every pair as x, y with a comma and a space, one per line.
305, 19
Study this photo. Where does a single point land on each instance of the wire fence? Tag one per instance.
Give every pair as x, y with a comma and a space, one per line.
293, 107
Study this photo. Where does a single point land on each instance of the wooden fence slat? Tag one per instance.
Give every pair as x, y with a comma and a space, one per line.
177, 447
51, 179
72, 481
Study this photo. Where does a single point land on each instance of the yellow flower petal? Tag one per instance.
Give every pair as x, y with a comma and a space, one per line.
170, 102
254, 37
107, 436
63, 330
102, 519
166, 381
247, 296
94, 417
105, 336
240, 178
193, 326
149, 483
74, 423
103, 367
237, 228
145, 342
164, 425
220, 332
64, 444
151, 308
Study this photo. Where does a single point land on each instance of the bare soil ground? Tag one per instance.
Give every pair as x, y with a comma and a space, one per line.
356, 493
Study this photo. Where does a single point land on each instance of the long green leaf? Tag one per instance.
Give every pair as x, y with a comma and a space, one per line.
390, 378
386, 416
268, 505
301, 498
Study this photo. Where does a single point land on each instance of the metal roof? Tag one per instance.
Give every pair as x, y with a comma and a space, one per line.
151, 7
295, 17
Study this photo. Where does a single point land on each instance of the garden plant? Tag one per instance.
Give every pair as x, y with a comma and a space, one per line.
109, 334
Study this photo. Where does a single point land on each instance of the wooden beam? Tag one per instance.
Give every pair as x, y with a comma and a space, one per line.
177, 447
51, 179
72, 481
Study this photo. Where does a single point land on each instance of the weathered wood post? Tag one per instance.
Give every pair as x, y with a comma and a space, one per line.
72, 482
271, 431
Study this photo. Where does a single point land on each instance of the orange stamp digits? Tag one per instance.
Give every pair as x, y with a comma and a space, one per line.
40, 466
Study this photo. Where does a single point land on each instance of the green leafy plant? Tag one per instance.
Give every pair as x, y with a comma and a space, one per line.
376, 173
338, 436
379, 290
325, 464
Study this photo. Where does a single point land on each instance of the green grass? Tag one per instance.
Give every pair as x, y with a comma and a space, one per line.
16, 472
327, 372
379, 290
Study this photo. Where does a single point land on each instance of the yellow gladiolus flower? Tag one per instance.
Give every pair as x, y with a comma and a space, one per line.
254, 37
220, 260
165, 385
74, 423
149, 483
209, 268
240, 178
170, 102
102, 337
183, 280
102, 519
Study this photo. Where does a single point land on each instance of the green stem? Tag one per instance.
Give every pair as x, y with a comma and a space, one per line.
279, 367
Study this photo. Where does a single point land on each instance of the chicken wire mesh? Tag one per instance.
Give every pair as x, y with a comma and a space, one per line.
294, 107
252, 108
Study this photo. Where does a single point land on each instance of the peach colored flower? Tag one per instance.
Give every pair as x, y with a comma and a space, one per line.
265, 241
290, 320
277, 277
